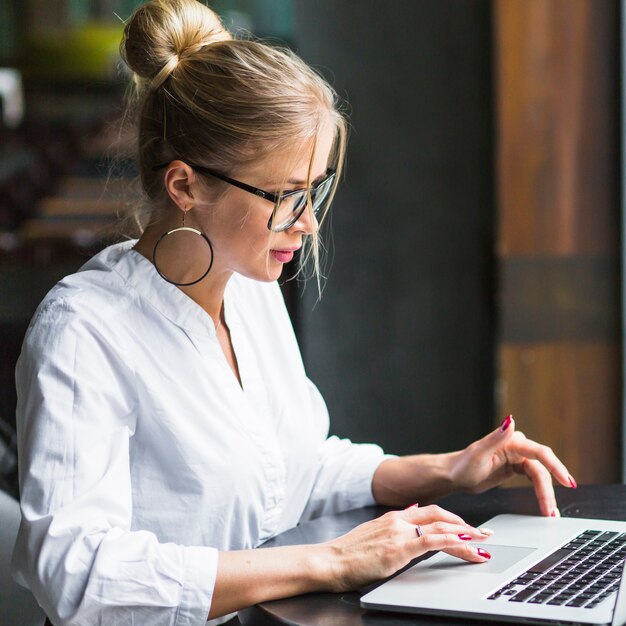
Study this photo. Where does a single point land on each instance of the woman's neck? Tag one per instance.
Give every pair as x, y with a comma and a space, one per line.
209, 292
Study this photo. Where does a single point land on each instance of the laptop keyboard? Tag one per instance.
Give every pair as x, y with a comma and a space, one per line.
582, 573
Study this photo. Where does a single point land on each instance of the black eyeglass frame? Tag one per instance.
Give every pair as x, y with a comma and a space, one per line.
275, 198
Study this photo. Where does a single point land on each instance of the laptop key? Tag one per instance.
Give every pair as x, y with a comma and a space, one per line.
559, 582
525, 578
523, 595
542, 596
550, 560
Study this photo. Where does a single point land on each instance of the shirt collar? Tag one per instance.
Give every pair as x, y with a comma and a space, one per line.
141, 276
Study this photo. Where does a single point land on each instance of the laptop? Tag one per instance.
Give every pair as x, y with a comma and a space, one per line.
542, 570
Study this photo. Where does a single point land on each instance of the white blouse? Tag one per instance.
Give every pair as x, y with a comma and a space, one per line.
141, 455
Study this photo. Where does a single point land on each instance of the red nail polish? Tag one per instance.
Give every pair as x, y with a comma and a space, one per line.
506, 423
416, 504
572, 482
465, 537
483, 553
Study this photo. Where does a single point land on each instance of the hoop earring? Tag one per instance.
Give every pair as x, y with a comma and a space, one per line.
180, 229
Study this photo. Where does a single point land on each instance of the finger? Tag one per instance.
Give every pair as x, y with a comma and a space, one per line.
451, 544
428, 514
519, 448
468, 552
498, 437
542, 483
465, 532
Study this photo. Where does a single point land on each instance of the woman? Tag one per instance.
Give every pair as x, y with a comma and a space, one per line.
166, 423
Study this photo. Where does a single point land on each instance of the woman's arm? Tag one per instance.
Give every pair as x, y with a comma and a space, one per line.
418, 477
247, 577
76, 549
482, 465
369, 552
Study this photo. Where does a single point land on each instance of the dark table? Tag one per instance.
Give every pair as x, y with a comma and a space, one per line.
336, 609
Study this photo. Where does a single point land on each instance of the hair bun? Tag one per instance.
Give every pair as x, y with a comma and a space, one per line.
162, 33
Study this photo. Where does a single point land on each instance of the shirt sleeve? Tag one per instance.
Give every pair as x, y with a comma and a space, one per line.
75, 548
343, 478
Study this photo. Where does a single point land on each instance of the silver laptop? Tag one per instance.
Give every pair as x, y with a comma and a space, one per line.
542, 570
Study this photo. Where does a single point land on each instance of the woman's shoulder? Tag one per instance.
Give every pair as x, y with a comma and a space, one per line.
95, 295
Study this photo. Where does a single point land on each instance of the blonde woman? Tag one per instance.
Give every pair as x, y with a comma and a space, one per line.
166, 423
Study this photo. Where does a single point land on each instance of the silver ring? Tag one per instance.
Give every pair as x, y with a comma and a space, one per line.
418, 530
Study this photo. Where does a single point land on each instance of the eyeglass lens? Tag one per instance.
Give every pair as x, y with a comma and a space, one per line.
293, 206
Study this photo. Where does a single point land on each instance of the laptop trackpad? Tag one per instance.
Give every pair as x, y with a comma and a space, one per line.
502, 557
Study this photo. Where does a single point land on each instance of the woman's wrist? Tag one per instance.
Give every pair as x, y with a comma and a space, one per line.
327, 567
454, 476
323, 566
422, 478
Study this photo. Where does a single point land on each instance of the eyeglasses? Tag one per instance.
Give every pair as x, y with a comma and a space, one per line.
288, 205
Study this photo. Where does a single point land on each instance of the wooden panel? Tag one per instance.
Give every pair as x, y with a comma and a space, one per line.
557, 147
559, 371
559, 298
561, 395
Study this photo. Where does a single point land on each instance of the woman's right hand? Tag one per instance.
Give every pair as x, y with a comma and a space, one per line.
379, 548
369, 552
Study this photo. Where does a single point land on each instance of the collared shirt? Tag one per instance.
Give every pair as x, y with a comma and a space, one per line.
141, 455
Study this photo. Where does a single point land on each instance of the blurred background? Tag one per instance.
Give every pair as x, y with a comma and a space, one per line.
474, 262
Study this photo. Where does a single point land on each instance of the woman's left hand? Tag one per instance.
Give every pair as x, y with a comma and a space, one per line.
504, 452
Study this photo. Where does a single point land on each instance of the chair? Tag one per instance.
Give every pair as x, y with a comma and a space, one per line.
18, 607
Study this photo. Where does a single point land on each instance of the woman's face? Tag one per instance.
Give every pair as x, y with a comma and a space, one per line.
236, 223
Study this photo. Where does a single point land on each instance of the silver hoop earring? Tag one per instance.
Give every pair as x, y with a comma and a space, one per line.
186, 229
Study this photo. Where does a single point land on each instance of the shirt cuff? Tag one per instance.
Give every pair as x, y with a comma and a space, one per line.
362, 476
200, 576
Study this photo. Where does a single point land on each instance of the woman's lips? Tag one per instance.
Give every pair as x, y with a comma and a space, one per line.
282, 256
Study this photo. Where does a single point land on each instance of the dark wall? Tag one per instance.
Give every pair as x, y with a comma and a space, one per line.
401, 344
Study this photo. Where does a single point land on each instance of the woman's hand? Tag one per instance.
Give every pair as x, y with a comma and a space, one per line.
489, 461
379, 548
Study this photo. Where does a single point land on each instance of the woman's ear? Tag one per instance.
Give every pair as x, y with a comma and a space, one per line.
178, 181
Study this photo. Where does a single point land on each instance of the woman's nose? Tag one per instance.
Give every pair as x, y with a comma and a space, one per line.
307, 223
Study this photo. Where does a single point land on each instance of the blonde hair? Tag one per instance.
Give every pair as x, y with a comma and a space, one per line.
221, 102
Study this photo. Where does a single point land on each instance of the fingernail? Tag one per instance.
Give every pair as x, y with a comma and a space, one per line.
572, 482
465, 537
416, 504
555, 513
506, 423
483, 553
485, 531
